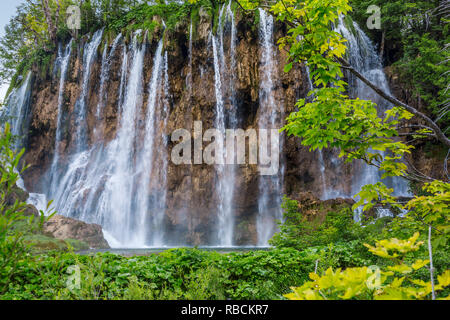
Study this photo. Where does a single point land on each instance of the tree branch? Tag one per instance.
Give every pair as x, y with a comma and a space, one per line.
439, 134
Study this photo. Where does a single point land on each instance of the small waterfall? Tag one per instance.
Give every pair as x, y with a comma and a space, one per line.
233, 111
325, 191
116, 200
164, 159
224, 225
363, 56
270, 115
104, 74
17, 111
146, 161
90, 52
63, 66
225, 172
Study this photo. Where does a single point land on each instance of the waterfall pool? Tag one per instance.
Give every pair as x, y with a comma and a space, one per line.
129, 252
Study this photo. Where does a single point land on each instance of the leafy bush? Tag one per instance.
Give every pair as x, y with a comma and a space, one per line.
299, 232
372, 282
174, 274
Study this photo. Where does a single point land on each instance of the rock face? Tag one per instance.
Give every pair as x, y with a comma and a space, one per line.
64, 228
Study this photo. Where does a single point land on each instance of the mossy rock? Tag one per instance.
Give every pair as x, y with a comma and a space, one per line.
42, 243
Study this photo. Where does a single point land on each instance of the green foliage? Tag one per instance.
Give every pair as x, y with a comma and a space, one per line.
142, 16
298, 232
372, 282
174, 274
415, 37
13, 247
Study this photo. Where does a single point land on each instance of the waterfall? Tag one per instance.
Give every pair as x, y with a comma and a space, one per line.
270, 114
104, 74
325, 191
90, 52
226, 172
363, 56
116, 200
63, 66
145, 163
122, 184
164, 160
95, 185
17, 111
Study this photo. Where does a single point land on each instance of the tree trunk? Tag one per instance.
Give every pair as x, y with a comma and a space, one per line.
48, 17
382, 45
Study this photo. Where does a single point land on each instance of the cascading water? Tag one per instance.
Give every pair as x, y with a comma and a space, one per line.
225, 172
90, 52
270, 114
189, 75
146, 161
116, 200
17, 111
118, 185
103, 172
364, 58
325, 189
104, 74
63, 66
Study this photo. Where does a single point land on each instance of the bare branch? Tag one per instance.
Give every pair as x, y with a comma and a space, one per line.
439, 134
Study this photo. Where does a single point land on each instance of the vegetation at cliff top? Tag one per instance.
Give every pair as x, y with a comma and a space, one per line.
32, 36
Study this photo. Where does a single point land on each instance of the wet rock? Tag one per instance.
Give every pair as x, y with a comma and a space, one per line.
64, 228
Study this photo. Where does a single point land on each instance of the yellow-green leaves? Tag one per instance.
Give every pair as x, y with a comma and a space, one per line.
434, 207
394, 247
339, 284
395, 283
